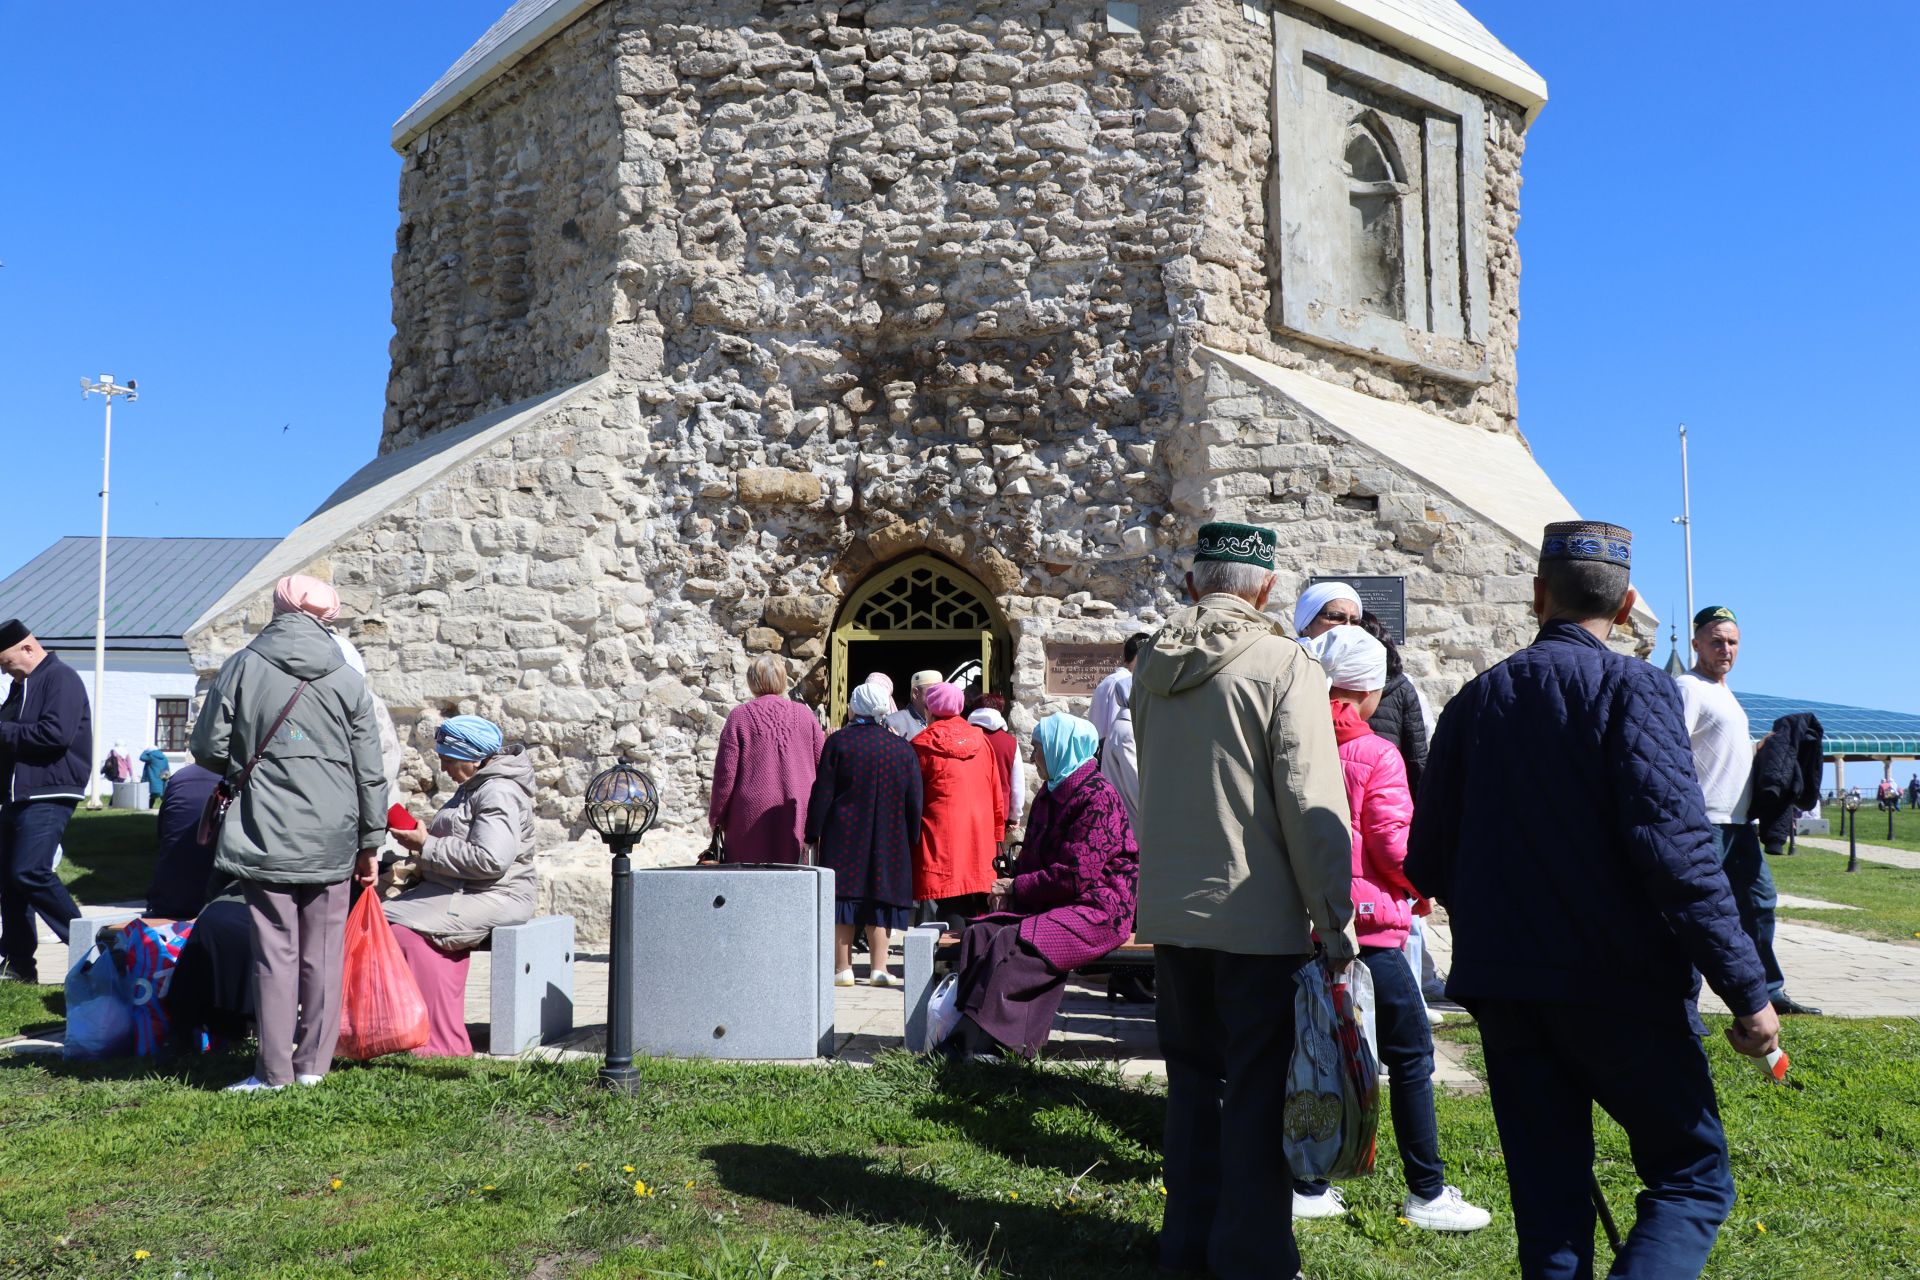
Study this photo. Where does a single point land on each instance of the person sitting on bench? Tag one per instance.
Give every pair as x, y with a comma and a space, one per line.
476, 863
1068, 903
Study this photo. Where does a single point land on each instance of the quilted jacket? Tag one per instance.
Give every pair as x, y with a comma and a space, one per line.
1561, 823
1382, 807
1786, 777
1399, 721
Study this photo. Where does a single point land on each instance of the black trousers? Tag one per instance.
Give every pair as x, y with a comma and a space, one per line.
1226, 1031
30, 830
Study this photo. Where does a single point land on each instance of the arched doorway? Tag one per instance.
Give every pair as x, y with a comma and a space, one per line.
917, 614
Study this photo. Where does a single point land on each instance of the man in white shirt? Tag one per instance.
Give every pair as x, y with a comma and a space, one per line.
1723, 758
1111, 694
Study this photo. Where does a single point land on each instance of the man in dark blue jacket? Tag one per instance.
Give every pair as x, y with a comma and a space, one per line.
1560, 822
46, 756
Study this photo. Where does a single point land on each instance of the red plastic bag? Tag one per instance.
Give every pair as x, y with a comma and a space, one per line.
381, 1008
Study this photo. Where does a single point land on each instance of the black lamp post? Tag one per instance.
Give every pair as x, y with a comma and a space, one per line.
1851, 815
622, 803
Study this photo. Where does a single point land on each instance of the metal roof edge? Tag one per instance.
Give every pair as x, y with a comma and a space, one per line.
1517, 82
444, 98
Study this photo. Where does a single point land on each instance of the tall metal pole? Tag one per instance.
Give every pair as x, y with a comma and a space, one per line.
1685, 518
106, 390
619, 1072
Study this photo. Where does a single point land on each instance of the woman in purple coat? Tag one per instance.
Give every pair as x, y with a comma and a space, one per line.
1071, 898
763, 770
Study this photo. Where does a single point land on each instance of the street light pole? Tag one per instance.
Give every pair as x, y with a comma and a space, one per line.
1685, 518
106, 390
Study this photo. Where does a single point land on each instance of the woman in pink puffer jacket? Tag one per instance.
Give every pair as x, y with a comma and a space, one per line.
1382, 809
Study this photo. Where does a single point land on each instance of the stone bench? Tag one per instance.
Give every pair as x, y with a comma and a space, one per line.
920, 952
530, 986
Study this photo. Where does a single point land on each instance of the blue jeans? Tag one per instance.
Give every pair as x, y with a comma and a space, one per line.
1752, 883
29, 833
1547, 1064
1406, 1050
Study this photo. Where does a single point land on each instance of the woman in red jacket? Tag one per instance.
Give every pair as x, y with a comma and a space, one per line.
1382, 809
963, 814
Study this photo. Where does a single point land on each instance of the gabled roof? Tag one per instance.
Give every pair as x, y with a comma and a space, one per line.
382, 485
1438, 32
156, 587
1845, 731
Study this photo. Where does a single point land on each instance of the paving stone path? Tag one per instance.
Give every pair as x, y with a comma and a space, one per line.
1907, 858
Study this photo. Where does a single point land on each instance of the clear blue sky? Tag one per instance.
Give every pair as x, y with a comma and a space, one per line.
1718, 222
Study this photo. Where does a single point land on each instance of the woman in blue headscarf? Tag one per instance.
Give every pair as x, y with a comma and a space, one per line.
1068, 903
474, 860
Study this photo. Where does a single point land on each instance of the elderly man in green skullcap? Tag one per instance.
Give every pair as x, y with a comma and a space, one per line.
1245, 851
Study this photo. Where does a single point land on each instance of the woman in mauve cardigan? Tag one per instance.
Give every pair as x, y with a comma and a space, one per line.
764, 769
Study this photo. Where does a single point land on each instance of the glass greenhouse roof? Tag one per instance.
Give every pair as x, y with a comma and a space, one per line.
1847, 731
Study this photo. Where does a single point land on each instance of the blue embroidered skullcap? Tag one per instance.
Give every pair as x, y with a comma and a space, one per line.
1587, 540
467, 738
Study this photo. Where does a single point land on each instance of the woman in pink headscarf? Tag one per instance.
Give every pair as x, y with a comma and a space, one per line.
964, 810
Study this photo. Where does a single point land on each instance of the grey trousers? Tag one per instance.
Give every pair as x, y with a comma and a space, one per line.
299, 950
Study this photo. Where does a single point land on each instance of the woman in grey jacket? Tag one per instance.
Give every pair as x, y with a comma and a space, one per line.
311, 815
476, 863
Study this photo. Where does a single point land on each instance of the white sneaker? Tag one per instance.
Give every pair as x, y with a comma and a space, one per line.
252, 1084
882, 978
1328, 1204
1435, 1018
943, 1010
844, 978
308, 1080
1448, 1211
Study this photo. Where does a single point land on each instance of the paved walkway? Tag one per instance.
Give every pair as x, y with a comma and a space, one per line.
1845, 975
1907, 858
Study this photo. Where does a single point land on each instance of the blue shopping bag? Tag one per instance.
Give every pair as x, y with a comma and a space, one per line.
99, 1019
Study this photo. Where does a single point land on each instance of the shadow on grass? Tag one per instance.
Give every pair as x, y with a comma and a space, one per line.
1001, 1108
31, 1010
109, 856
1020, 1239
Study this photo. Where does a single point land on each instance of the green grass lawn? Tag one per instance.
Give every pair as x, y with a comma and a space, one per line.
1888, 897
413, 1169
1872, 823
24, 1008
109, 855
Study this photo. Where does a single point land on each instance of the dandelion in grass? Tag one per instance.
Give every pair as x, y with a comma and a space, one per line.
626, 1168
1013, 1195
1761, 1227
642, 1190
689, 1184
335, 1185
141, 1255
1405, 1222
581, 1167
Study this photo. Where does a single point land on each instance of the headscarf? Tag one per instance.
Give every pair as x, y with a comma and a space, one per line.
467, 738
1352, 658
301, 594
884, 683
1108, 699
869, 702
944, 700
350, 654
1317, 597
1066, 743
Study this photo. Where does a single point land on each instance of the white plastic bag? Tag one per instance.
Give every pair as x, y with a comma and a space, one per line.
1333, 1082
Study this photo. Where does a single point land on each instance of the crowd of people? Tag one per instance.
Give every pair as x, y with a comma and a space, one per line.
1246, 800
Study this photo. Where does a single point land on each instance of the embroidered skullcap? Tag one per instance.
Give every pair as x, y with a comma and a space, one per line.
301, 594
12, 632
944, 700
1705, 618
1237, 543
1351, 658
1317, 597
467, 738
869, 702
1587, 540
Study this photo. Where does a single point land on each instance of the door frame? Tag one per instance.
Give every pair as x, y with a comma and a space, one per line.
996, 644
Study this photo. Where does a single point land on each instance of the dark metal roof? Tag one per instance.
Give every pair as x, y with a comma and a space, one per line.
1845, 731
156, 587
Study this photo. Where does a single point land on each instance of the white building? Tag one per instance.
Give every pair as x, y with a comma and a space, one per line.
156, 587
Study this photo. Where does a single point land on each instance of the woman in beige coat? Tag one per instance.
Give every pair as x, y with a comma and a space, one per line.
476, 864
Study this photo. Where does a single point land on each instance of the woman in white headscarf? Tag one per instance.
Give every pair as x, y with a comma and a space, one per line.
1324, 606
864, 818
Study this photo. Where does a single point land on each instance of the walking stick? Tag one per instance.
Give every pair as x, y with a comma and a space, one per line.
1606, 1214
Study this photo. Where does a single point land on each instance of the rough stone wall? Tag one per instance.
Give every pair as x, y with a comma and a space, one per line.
1232, 134
503, 260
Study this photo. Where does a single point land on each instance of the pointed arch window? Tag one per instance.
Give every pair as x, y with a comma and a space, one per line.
1376, 231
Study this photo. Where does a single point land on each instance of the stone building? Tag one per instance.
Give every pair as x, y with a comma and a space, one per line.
889, 334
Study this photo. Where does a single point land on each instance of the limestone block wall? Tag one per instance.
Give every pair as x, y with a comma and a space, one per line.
503, 259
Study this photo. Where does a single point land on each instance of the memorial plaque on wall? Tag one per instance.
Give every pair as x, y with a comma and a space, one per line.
1384, 598
1075, 670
